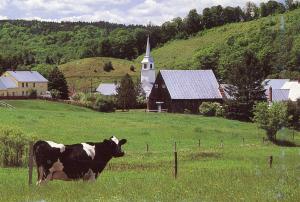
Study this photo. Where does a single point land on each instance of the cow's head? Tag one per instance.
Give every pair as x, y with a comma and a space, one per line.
116, 146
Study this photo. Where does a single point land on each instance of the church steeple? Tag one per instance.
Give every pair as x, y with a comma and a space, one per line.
148, 70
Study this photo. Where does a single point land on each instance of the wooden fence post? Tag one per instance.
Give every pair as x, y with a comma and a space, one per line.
175, 161
199, 143
147, 148
30, 163
271, 161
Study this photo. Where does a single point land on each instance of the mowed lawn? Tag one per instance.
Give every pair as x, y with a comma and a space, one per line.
238, 171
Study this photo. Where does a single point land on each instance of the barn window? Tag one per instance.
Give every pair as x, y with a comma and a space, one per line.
156, 85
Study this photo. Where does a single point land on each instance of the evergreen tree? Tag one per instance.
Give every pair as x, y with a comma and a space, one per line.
246, 77
126, 93
57, 81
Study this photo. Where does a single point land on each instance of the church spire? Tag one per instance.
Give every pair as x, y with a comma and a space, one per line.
148, 48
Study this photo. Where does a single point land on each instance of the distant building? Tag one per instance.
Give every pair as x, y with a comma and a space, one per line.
19, 83
278, 90
177, 90
147, 71
107, 89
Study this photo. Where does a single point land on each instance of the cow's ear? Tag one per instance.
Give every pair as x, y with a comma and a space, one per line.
123, 141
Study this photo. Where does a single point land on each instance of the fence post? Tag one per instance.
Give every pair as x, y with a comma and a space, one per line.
147, 148
30, 163
199, 143
243, 140
175, 161
271, 161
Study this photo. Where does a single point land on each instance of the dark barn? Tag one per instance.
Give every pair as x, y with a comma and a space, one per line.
180, 90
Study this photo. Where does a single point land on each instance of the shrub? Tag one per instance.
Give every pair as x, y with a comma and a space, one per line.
13, 147
32, 93
105, 104
271, 118
108, 66
132, 68
55, 93
211, 109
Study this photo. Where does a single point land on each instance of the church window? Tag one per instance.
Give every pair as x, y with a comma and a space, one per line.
150, 66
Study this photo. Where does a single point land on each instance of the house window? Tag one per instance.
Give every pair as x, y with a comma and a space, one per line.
22, 85
145, 66
26, 84
26, 92
22, 93
13, 93
34, 85
156, 85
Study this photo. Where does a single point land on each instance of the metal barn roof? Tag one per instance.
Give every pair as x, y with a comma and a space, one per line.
294, 89
6, 83
280, 95
107, 89
191, 84
27, 76
275, 83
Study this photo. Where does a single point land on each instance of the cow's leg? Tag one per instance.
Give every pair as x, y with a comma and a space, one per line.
41, 173
89, 176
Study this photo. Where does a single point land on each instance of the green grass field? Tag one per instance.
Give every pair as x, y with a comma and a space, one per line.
237, 172
79, 72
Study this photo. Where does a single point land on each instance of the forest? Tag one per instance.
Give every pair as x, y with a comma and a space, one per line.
32, 44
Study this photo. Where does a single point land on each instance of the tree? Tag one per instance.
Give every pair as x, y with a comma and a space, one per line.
246, 77
108, 66
57, 81
271, 118
193, 22
251, 11
126, 93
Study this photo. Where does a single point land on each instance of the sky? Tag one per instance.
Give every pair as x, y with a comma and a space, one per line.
117, 11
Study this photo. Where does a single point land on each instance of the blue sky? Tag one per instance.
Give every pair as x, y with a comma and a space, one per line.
119, 11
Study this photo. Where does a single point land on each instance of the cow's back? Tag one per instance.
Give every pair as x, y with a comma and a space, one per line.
44, 154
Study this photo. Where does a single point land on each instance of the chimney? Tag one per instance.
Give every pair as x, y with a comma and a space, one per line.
270, 94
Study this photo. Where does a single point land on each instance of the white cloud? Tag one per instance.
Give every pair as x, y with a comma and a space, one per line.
119, 11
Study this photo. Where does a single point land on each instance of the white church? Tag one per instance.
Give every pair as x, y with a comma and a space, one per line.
147, 71
147, 76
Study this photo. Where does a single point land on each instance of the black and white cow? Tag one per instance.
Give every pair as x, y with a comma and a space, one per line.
73, 162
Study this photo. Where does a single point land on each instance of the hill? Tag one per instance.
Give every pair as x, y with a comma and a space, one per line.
274, 39
238, 170
80, 72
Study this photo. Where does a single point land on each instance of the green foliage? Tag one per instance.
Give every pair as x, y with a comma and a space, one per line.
245, 77
271, 118
108, 67
32, 93
13, 147
294, 114
57, 81
105, 104
126, 93
211, 109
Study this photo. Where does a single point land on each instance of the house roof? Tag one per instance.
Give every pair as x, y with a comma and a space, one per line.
280, 95
107, 89
27, 76
294, 89
6, 83
191, 84
275, 83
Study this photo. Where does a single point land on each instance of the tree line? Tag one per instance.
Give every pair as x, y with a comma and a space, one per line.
27, 44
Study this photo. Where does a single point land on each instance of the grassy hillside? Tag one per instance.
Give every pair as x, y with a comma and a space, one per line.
238, 171
80, 72
274, 39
